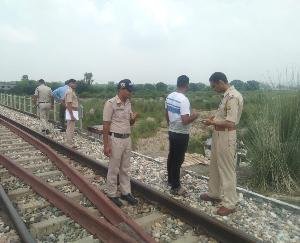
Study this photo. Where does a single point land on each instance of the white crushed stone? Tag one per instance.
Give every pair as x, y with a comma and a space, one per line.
255, 216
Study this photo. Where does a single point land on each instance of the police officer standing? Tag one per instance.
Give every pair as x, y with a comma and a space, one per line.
117, 119
71, 101
222, 176
43, 99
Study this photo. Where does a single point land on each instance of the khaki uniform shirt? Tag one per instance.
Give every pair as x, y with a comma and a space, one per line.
231, 106
43, 94
118, 114
70, 96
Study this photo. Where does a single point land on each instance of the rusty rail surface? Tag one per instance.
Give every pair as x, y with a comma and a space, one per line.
20, 226
217, 229
97, 226
110, 211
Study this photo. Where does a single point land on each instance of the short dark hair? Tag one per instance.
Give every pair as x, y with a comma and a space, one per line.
217, 76
42, 81
182, 81
71, 81
67, 82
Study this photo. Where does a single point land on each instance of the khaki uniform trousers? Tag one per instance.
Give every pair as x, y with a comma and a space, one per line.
119, 164
222, 175
44, 109
70, 132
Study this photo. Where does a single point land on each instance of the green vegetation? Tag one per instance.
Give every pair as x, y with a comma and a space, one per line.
273, 139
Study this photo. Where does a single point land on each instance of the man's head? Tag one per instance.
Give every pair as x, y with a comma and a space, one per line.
125, 88
67, 82
72, 83
183, 83
218, 82
41, 81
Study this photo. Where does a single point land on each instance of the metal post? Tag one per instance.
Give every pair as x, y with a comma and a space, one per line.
54, 112
80, 116
19, 107
11, 101
30, 105
24, 103
6, 100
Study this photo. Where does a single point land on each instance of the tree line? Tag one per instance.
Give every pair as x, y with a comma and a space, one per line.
87, 88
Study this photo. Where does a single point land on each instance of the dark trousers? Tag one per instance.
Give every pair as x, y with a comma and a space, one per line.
62, 111
178, 144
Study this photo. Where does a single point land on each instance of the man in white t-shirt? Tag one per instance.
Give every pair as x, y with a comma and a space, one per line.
179, 118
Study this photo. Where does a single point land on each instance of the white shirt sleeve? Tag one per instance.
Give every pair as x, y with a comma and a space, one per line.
185, 107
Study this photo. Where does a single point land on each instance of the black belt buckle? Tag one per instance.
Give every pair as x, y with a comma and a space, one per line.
120, 135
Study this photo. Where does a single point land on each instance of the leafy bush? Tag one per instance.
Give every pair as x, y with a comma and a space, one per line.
273, 141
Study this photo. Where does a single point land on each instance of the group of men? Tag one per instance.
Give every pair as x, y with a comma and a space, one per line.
68, 112
118, 117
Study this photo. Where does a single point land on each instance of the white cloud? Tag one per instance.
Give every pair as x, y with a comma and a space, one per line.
12, 34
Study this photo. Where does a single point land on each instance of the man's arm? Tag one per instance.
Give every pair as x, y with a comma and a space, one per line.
187, 119
231, 117
35, 96
107, 146
69, 108
224, 124
167, 117
133, 117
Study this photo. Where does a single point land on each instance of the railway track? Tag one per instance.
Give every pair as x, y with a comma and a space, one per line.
44, 220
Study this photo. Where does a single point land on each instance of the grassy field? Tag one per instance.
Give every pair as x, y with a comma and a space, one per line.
269, 127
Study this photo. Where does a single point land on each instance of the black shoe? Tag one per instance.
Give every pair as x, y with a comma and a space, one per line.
116, 201
129, 198
47, 131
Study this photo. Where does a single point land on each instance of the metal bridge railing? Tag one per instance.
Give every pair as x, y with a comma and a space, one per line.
25, 104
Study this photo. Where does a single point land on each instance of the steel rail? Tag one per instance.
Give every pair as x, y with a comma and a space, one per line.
110, 211
20, 226
217, 229
97, 226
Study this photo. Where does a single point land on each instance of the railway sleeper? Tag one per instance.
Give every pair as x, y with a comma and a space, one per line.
4, 172
54, 224
15, 148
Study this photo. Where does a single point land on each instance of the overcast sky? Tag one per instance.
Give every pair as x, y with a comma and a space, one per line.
148, 40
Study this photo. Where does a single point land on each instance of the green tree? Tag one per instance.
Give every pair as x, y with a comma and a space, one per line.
149, 87
25, 87
87, 78
252, 85
24, 77
160, 86
238, 84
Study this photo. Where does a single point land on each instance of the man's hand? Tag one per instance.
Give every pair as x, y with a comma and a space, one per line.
107, 150
194, 115
208, 122
134, 115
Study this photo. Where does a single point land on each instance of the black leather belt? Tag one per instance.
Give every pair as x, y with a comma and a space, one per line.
43, 102
119, 135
